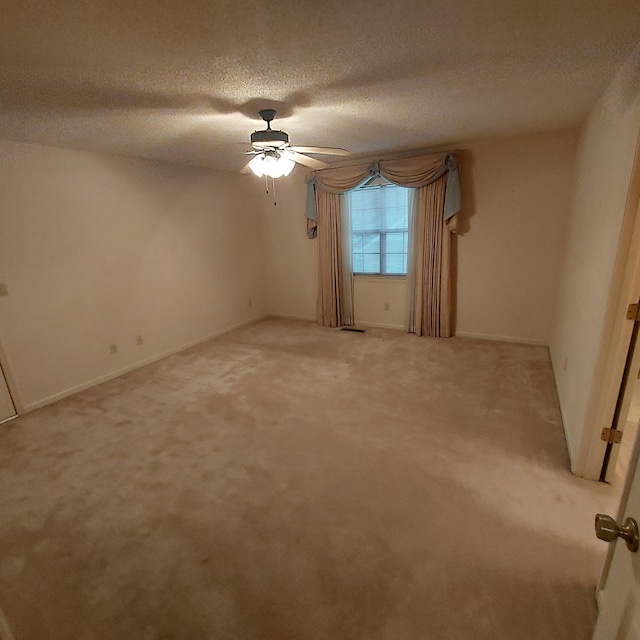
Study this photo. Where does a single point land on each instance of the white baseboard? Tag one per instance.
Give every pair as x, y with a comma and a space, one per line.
32, 406
562, 418
368, 325
379, 325
484, 336
566, 438
461, 334
132, 367
290, 316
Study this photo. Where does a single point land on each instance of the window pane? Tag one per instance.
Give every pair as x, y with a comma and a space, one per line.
371, 243
357, 220
395, 242
369, 197
399, 197
379, 222
371, 263
356, 199
395, 263
396, 218
372, 219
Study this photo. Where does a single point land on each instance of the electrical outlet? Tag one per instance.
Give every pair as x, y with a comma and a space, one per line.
386, 306
3, 289
139, 340
113, 348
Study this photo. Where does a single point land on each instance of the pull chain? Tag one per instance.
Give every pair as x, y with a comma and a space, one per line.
273, 187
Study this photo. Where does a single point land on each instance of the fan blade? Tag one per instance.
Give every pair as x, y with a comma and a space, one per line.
329, 151
246, 168
306, 160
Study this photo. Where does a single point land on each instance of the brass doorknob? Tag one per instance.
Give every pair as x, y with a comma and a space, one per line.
608, 529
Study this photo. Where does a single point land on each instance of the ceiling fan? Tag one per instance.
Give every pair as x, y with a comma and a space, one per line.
275, 157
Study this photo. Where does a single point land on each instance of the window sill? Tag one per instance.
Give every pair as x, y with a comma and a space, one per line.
378, 277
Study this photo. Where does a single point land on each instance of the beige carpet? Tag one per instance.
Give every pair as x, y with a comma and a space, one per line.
287, 481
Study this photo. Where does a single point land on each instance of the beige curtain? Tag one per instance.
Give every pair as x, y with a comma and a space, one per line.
429, 283
406, 172
348, 316
435, 179
335, 280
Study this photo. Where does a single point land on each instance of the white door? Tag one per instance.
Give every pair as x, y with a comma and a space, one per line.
7, 410
623, 404
619, 601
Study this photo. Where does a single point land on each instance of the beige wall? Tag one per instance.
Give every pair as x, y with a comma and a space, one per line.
98, 249
371, 295
605, 159
516, 193
291, 263
291, 260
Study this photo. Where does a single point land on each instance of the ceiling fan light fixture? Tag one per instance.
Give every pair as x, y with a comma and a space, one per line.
272, 165
269, 138
275, 157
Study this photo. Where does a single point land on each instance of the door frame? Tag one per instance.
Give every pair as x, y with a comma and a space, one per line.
6, 373
4, 381
616, 335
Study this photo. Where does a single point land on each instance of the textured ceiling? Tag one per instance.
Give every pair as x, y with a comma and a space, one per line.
182, 80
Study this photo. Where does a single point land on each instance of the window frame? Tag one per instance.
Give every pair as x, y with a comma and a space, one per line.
382, 233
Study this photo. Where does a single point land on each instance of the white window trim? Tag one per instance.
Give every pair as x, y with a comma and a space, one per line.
377, 276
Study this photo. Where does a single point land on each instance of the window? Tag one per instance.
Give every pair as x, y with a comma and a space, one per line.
379, 229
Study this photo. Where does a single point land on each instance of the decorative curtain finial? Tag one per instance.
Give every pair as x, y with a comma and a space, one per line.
374, 169
450, 161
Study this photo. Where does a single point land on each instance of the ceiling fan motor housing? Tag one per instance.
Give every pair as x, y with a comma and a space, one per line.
269, 139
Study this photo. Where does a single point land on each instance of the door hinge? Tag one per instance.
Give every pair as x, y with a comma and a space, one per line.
633, 312
614, 436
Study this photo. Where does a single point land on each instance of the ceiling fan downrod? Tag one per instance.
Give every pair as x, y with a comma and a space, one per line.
269, 138
268, 115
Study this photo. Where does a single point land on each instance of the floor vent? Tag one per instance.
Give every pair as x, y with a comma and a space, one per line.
352, 329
